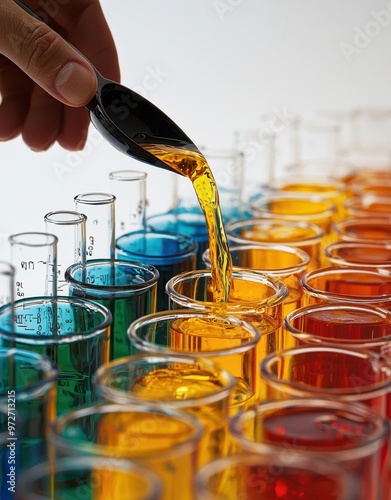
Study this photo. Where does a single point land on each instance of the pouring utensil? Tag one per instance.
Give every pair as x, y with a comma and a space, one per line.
128, 120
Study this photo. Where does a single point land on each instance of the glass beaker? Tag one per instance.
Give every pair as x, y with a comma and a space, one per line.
195, 385
353, 326
268, 477
302, 235
370, 230
348, 285
28, 390
361, 255
127, 289
158, 437
348, 435
281, 262
254, 298
297, 207
97, 478
74, 333
226, 340
169, 253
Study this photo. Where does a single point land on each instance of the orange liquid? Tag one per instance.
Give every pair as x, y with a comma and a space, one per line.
193, 165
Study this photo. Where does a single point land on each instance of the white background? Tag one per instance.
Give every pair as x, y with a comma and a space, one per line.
214, 66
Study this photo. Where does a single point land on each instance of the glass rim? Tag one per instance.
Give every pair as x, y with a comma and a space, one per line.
70, 337
339, 226
348, 394
83, 267
335, 258
158, 317
48, 239
330, 271
275, 273
73, 218
122, 397
63, 421
338, 185
329, 209
272, 461
365, 343
191, 244
360, 199
316, 237
280, 289
41, 363
79, 463
127, 175
353, 452
95, 198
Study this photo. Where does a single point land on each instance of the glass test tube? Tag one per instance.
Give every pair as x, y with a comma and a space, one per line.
34, 256
70, 229
129, 187
99, 208
7, 272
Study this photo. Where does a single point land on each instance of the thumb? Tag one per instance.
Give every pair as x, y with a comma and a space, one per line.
45, 56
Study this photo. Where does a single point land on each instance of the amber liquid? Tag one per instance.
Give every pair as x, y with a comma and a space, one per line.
170, 385
193, 165
284, 234
150, 439
209, 336
370, 232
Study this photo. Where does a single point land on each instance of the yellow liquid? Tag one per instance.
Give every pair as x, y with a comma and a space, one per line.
210, 336
193, 165
191, 384
152, 440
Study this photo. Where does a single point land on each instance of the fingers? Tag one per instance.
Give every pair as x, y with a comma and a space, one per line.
45, 57
74, 130
43, 93
15, 90
43, 121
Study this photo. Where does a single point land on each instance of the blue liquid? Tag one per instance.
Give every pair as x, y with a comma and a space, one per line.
169, 253
128, 290
188, 222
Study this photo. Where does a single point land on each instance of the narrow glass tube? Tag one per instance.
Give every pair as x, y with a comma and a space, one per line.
99, 208
130, 189
70, 229
7, 272
34, 256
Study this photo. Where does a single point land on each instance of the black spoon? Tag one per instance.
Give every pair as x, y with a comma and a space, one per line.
127, 120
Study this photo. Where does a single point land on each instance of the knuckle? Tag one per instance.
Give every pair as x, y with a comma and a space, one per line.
40, 44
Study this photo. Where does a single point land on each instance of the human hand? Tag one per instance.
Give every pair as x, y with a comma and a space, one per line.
44, 83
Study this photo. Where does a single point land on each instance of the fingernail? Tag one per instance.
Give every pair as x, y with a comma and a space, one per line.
76, 84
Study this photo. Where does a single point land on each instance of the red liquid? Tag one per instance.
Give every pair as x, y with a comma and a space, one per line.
367, 288
287, 483
298, 431
339, 324
315, 371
